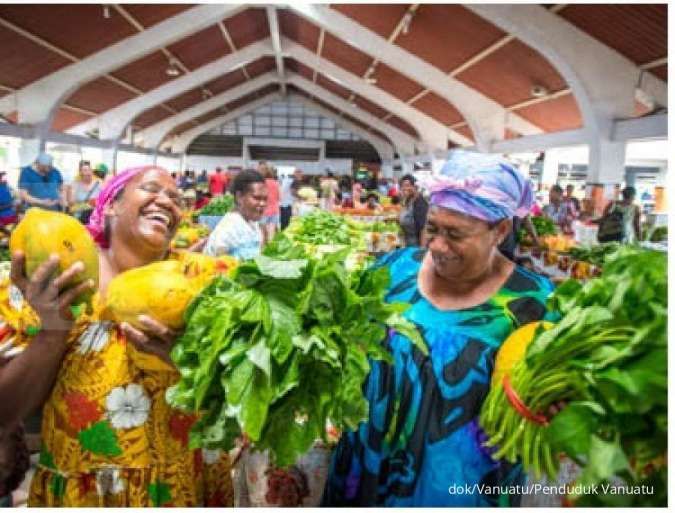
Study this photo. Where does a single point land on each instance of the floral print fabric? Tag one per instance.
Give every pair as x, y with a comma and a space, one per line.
109, 437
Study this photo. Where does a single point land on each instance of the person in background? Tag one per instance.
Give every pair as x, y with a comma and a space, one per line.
383, 186
373, 202
630, 212
422, 432
414, 212
203, 180
270, 220
286, 197
559, 211
357, 191
101, 172
570, 198
238, 233
7, 211
329, 188
41, 185
217, 183
393, 191
83, 192
508, 247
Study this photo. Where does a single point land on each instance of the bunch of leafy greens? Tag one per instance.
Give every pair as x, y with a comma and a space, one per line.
323, 228
596, 254
282, 346
218, 206
543, 225
607, 360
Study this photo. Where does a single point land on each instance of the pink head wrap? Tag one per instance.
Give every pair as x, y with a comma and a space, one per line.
96, 224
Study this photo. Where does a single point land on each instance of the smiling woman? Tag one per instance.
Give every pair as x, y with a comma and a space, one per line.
422, 438
109, 438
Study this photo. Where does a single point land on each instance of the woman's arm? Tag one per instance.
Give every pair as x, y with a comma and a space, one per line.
636, 223
420, 209
531, 230
27, 380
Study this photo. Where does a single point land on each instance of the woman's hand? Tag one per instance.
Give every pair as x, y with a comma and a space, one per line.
49, 296
198, 246
155, 338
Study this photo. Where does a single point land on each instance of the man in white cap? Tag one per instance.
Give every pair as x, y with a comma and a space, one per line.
41, 184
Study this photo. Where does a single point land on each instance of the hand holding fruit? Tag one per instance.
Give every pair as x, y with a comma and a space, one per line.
50, 296
155, 338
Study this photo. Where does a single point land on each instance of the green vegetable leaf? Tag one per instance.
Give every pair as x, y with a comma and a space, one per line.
281, 269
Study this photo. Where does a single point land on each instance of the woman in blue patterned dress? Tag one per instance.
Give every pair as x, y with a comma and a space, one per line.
421, 445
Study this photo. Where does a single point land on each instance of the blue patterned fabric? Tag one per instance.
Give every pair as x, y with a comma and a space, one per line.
422, 435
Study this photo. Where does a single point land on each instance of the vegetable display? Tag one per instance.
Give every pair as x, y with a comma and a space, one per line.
596, 254
543, 225
218, 206
606, 361
322, 228
280, 348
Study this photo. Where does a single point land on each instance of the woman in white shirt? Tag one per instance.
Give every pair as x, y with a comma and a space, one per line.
238, 233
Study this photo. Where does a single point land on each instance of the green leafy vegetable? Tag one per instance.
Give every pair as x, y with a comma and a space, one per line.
281, 347
607, 360
218, 206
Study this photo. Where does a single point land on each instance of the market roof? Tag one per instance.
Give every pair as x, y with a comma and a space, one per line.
420, 76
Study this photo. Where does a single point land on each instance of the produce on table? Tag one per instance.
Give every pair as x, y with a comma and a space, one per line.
606, 359
659, 234
161, 290
280, 347
560, 243
5, 255
321, 228
42, 233
218, 206
188, 234
595, 255
543, 225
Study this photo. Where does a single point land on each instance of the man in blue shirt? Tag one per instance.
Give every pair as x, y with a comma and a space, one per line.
41, 184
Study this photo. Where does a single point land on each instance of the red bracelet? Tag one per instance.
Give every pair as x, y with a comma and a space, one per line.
520, 406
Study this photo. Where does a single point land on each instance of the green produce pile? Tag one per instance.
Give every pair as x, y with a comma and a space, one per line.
542, 224
323, 228
5, 255
280, 348
595, 255
607, 360
218, 206
658, 234
377, 226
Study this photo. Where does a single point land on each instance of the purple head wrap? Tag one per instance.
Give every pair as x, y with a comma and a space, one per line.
481, 185
96, 224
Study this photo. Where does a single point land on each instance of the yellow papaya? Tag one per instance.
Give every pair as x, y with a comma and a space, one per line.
160, 290
514, 347
42, 233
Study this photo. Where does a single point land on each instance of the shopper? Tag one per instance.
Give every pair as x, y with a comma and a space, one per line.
203, 181
41, 184
270, 220
108, 436
559, 211
287, 194
7, 210
629, 214
413, 213
422, 433
83, 192
218, 183
238, 233
329, 188
570, 198
373, 203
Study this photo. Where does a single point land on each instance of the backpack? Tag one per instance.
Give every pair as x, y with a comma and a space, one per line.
611, 227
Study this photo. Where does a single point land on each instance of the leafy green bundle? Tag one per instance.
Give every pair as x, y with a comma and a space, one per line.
543, 225
280, 348
607, 360
596, 254
322, 228
218, 206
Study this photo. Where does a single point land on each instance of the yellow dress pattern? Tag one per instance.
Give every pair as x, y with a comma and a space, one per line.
109, 437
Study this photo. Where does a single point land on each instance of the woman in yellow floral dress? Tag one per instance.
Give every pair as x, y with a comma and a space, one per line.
109, 438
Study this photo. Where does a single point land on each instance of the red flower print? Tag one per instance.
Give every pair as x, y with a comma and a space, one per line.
81, 410
179, 425
216, 499
87, 483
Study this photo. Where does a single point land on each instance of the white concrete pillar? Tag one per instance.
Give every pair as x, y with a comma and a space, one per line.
406, 167
606, 170
29, 150
387, 169
549, 173
109, 156
245, 154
